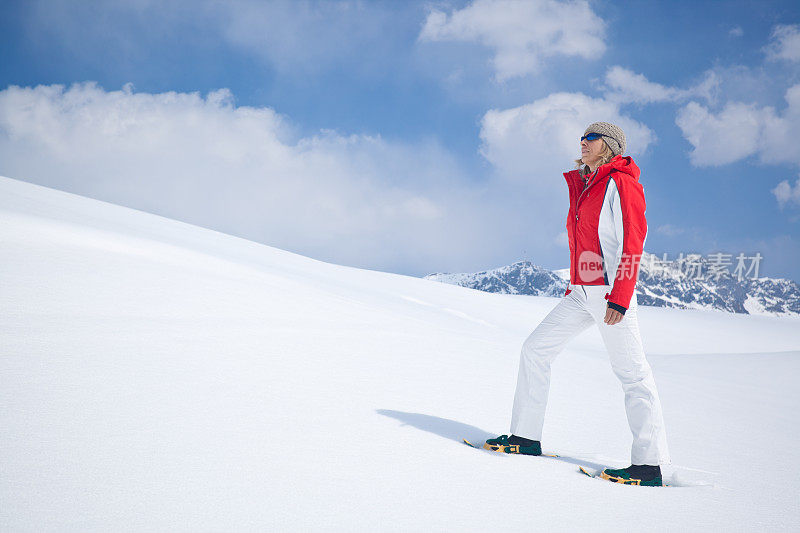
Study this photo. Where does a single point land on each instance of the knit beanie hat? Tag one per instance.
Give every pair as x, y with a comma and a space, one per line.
613, 136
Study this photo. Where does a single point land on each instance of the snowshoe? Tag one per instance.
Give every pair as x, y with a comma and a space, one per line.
514, 444
645, 475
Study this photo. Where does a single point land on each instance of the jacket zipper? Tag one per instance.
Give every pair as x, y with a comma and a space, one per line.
575, 224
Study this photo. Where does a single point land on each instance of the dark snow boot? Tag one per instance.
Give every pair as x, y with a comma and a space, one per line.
646, 475
514, 444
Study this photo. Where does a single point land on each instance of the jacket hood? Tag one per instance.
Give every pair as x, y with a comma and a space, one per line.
621, 164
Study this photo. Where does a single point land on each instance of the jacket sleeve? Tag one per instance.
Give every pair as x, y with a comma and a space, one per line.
631, 227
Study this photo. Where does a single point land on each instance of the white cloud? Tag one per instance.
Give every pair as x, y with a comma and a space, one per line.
786, 194
625, 86
784, 43
522, 34
732, 83
670, 230
536, 141
530, 147
778, 142
723, 138
351, 199
631, 87
736, 31
740, 130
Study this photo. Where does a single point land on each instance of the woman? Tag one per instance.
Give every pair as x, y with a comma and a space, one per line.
607, 229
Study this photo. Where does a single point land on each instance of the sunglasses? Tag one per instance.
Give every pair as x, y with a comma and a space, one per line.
594, 136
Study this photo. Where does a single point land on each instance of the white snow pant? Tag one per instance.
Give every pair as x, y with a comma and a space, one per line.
584, 306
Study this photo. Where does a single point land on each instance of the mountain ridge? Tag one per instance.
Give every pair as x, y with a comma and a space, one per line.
661, 283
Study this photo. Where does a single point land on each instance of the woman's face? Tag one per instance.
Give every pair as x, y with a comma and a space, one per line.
590, 151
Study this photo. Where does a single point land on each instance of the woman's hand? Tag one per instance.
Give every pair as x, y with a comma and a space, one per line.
612, 316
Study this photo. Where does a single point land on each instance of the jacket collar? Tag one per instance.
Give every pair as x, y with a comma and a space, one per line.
617, 163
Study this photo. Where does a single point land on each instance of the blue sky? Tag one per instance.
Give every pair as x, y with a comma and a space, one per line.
411, 137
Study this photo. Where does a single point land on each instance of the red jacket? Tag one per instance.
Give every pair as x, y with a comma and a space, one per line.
607, 229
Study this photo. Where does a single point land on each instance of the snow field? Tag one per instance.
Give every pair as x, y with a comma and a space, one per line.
156, 375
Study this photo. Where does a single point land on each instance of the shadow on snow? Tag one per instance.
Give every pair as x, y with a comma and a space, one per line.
457, 431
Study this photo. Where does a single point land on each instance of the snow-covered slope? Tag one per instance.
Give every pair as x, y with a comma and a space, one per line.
160, 376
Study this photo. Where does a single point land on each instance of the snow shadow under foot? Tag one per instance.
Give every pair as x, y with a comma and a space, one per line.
457, 431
